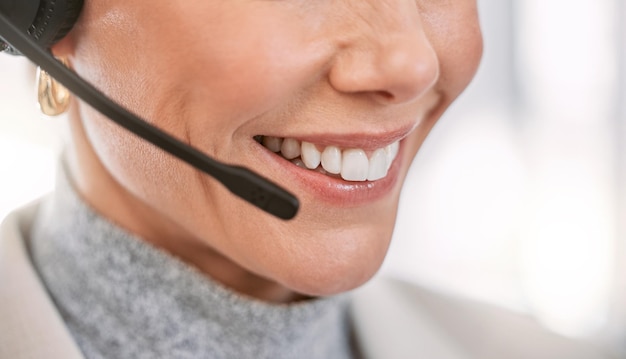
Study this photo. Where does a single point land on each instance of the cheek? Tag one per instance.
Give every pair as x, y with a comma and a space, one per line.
457, 39
245, 71
141, 168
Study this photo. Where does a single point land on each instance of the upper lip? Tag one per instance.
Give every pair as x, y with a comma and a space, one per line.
368, 139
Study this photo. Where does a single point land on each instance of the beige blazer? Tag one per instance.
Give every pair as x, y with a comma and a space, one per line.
392, 319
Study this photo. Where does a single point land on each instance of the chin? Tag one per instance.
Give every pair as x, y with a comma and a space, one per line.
325, 250
332, 280
350, 260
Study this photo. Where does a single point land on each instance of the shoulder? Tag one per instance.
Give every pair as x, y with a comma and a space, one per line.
390, 314
31, 327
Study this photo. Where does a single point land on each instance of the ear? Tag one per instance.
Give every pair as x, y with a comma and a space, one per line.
57, 29
65, 47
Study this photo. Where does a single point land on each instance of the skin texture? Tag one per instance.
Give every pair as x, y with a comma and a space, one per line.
215, 74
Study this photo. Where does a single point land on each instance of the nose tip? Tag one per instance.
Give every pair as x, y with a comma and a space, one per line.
405, 73
395, 71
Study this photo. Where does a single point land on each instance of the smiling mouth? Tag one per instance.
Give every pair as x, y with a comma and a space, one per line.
350, 164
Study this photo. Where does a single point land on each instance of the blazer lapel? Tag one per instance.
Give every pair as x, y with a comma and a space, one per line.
30, 325
388, 323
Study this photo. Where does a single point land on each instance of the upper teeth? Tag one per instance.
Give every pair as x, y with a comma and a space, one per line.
352, 164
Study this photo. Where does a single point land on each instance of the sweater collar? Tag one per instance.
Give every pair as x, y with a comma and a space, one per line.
121, 297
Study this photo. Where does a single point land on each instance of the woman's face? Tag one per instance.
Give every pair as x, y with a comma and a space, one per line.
236, 78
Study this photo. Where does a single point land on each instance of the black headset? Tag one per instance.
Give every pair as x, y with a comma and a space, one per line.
31, 27
45, 21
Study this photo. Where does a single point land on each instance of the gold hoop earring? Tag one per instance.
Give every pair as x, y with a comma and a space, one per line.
53, 98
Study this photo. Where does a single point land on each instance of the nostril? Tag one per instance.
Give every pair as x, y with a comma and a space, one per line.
385, 96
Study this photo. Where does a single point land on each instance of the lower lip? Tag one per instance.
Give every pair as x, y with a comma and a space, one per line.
334, 190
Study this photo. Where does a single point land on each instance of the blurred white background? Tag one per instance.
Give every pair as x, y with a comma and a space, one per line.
518, 197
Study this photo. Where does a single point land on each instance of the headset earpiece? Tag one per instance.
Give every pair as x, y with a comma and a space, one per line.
46, 21
54, 19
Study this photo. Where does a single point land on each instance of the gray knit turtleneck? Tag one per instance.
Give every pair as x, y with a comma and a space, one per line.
122, 298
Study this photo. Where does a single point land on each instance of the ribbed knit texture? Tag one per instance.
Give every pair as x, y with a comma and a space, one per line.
122, 298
